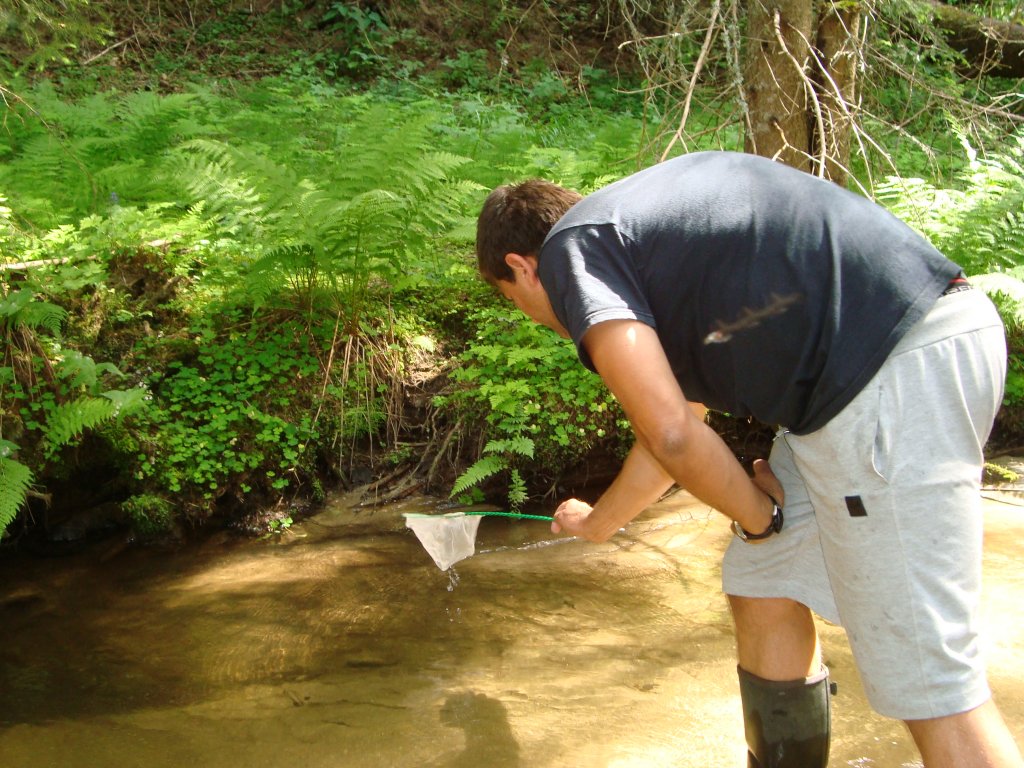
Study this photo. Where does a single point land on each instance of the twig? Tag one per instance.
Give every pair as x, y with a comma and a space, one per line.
107, 50
678, 135
327, 372
442, 451
808, 87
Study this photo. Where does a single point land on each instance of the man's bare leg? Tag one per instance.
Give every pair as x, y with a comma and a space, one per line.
776, 640
975, 739
784, 689
775, 637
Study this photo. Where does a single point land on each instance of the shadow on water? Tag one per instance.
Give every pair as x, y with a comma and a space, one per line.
489, 738
339, 643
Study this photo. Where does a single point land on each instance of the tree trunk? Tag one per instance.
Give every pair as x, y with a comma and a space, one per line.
801, 102
836, 81
776, 80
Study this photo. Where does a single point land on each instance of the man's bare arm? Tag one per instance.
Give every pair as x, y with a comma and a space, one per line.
640, 483
630, 359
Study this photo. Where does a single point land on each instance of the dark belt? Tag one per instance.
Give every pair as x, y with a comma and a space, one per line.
957, 284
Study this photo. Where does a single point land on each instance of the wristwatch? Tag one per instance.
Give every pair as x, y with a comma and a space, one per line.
773, 527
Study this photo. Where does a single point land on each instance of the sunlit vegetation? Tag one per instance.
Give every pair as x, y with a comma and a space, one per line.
222, 296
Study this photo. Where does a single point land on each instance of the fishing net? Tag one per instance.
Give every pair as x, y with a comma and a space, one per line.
452, 537
447, 538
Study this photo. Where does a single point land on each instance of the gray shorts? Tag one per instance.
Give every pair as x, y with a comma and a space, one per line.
883, 523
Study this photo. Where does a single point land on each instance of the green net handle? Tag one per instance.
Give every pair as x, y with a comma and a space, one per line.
512, 514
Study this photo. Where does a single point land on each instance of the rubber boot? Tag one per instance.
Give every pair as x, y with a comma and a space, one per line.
787, 724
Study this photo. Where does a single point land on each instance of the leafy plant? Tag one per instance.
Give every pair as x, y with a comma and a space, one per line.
233, 418
51, 29
52, 396
362, 34
538, 403
980, 222
329, 243
151, 515
15, 480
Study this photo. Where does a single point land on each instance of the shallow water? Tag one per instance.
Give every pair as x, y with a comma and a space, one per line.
339, 643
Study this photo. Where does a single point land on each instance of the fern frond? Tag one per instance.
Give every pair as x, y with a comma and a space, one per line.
69, 420
23, 308
517, 493
521, 446
81, 370
15, 480
127, 401
478, 472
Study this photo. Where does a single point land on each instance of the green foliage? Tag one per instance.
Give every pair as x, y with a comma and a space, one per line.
67, 421
23, 308
362, 36
51, 396
279, 525
15, 480
67, 160
234, 418
541, 408
329, 243
50, 29
980, 223
150, 515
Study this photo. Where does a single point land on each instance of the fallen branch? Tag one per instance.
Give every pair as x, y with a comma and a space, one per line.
23, 265
107, 50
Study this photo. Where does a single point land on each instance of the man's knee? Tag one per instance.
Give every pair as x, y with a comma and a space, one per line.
775, 637
761, 613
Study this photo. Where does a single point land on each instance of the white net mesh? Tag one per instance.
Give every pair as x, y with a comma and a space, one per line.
447, 538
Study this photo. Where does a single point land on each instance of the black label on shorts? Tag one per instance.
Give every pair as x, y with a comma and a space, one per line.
856, 506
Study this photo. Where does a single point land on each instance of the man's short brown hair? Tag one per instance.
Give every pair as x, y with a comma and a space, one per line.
516, 218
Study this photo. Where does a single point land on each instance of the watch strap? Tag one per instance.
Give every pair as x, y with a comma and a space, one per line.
773, 527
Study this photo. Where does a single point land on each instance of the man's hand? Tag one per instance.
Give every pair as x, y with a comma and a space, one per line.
572, 517
766, 480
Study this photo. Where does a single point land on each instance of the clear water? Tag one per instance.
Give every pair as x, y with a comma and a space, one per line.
339, 643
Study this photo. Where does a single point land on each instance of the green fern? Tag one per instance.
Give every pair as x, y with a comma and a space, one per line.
519, 446
517, 492
68, 421
78, 370
15, 480
332, 241
66, 159
53, 28
980, 224
498, 457
483, 468
23, 308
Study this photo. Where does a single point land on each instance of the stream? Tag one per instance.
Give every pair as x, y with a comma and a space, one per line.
339, 643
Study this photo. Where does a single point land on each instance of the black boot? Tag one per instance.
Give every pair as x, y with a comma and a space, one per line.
787, 723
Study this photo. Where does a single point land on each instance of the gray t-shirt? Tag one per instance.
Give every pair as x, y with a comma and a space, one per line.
775, 294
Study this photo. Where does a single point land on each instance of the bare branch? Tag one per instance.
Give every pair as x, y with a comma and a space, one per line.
812, 92
678, 135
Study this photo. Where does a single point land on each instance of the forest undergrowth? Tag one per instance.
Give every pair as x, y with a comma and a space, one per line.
222, 297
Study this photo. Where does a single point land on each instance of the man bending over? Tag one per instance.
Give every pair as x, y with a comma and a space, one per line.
752, 288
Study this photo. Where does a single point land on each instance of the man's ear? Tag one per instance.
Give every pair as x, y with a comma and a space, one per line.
519, 264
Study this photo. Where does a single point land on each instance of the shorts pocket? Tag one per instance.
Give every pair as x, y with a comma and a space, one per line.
881, 446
